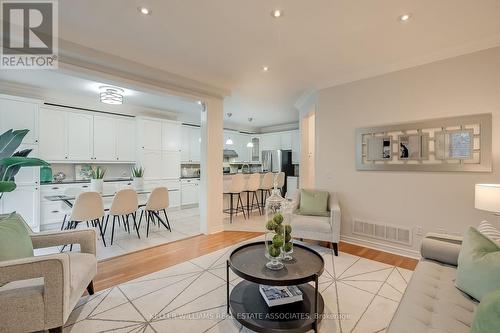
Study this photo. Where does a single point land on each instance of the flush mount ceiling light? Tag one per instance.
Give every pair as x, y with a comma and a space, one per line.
144, 10
229, 141
405, 17
111, 95
277, 13
265, 68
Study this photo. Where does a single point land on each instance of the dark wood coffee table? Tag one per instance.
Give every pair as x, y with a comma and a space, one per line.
248, 307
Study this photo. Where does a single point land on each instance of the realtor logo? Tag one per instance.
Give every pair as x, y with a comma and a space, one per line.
29, 34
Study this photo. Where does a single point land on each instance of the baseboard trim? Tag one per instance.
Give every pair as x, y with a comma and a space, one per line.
381, 247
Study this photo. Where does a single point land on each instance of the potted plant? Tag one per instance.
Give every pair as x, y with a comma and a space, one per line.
138, 176
97, 179
11, 160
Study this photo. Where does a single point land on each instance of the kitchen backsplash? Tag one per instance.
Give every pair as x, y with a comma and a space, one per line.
112, 170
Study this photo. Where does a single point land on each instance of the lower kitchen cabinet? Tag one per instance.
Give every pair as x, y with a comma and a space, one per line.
25, 201
190, 192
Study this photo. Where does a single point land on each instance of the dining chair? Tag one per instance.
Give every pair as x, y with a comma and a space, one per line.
157, 202
88, 207
234, 188
124, 205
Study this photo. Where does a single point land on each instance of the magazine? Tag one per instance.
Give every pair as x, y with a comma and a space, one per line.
280, 295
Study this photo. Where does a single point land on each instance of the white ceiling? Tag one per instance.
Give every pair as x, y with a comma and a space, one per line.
317, 43
52, 81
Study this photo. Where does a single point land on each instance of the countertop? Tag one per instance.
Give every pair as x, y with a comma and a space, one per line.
85, 181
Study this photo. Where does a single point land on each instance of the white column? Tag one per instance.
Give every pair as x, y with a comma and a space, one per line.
212, 132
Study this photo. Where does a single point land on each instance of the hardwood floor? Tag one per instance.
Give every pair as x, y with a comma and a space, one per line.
130, 266
386, 258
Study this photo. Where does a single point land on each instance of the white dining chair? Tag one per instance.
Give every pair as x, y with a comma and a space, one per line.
158, 201
234, 188
124, 205
251, 188
266, 185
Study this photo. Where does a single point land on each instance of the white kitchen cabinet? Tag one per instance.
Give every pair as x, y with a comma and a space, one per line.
191, 144
171, 136
19, 114
296, 147
150, 134
125, 140
270, 141
151, 160
241, 141
170, 164
80, 136
105, 131
25, 200
53, 135
190, 192
286, 140
174, 198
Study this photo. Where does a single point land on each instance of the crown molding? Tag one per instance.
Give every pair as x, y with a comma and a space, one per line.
464, 49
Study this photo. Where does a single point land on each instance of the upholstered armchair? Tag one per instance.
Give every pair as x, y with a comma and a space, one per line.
320, 228
38, 293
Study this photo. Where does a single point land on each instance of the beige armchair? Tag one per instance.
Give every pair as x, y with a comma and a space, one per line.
320, 228
39, 293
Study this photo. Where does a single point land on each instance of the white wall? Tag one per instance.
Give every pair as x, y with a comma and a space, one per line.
458, 86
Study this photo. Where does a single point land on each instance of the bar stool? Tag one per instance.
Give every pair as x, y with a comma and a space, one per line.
157, 202
266, 185
235, 187
251, 188
88, 207
125, 204
280, 179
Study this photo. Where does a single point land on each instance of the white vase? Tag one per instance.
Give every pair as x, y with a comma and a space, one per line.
96, 185
138, 182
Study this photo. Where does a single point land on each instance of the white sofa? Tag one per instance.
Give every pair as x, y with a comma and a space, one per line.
320, 228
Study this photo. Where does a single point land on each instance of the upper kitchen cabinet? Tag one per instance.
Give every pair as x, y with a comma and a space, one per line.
171, 161
255, 151
53, 137
270, 141
125, 139
114, 139
191, 144
240, 144
171, 136
80, 136
149, 133
20, 113
105, 132
296, 147
70, 136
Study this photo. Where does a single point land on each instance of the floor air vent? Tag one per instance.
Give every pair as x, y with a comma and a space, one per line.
390, 233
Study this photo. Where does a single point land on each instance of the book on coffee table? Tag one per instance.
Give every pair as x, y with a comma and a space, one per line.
274, 295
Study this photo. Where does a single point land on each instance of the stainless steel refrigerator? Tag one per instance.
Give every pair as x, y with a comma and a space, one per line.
278, 161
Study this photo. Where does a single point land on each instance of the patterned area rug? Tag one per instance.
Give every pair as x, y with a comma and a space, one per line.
360, 295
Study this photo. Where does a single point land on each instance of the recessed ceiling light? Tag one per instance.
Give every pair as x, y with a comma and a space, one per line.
144, 10
277, 13
405, 17
265, 68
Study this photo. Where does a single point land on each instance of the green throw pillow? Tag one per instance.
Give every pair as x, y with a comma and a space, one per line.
15, 242
478, 270
314, 202
487, 318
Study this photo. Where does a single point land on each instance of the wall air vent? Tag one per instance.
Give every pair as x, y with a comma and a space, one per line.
386, 232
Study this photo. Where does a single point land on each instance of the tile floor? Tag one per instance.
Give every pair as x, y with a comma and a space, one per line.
184, 223
360, 296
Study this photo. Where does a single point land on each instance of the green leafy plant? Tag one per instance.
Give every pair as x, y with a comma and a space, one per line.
98, 173
138, 172
11, 161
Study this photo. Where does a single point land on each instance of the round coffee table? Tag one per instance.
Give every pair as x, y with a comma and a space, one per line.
248, 307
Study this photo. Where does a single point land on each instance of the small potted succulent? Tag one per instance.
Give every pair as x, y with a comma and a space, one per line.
97, 179
138, 177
